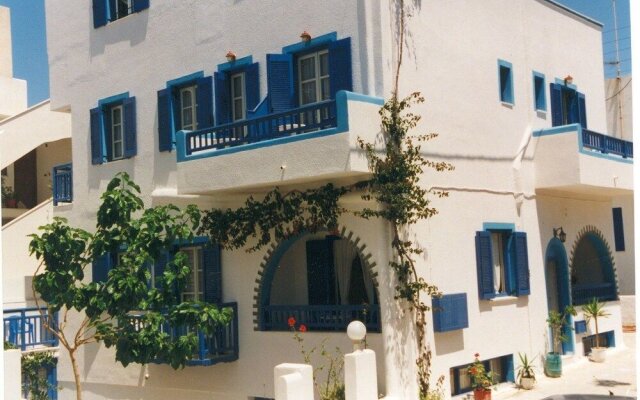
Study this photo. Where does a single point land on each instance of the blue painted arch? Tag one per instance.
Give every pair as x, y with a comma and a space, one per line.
557, 253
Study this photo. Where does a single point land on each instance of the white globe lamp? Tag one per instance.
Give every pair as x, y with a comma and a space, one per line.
356, 332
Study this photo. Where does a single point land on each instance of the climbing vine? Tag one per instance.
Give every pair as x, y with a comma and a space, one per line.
34, 381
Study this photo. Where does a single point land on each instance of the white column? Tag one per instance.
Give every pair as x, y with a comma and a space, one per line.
293, 381
360, 376
12, 374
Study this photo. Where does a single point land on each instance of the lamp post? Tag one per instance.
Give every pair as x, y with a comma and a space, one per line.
356, 332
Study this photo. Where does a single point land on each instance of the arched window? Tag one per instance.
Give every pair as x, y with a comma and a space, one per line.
592, 272
322, 281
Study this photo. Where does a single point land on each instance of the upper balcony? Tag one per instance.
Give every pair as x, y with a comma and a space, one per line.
25, 329
572, 159
310, 144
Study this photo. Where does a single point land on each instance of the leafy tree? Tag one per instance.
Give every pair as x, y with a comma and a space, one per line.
123, 311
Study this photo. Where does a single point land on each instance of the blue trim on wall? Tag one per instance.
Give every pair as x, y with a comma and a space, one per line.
560, 82
557, 130
508, 98
185, 79
495, 226
113, 99
544, 91
231, 65
314, 42
342, 117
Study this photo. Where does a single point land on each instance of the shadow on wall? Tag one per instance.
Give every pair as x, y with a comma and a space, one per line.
449, 342
132, 28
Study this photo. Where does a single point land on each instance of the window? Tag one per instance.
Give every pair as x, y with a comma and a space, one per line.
307, 73
238, 97
502, 368
505, 76
113, 129
568, 106
539, 97
237, 91
105, 11
618, 229
185, 104
194, 288
502, 262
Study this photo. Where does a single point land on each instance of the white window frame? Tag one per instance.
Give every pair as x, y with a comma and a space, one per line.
112, 130
193, 108
317, 78
238, 96
196, 269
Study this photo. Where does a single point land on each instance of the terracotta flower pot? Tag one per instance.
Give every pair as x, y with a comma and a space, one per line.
482, 394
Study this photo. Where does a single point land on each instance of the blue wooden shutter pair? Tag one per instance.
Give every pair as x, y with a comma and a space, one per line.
556, 104
484, 263
450, 312
518, 267
618, 229
212, 265
101, 266
100, 125
521, 264
320, 272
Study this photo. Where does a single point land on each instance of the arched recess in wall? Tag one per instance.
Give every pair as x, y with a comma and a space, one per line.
323, 279
593, 271
558, 286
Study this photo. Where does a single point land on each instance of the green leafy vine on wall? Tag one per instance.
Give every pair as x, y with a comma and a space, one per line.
34, 367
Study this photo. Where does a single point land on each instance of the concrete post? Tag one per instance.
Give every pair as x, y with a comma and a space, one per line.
293, 381
360, 376
12, 374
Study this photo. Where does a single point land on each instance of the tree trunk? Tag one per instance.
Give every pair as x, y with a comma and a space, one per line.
76, 374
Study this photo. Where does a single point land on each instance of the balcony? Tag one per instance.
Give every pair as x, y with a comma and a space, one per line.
62, 179
574, 160
320, 317
311, 144
24, 328
222, 346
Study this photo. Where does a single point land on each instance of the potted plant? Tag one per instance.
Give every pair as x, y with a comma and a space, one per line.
8, 196
481, 379
526, 372
557, 321
594, 310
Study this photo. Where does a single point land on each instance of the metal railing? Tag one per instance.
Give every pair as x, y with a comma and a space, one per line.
221, 346
320, 317
582, 294
24, 328
304, 119
606, 144
62, 181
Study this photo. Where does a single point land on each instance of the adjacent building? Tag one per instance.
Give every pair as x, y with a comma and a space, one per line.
211, 104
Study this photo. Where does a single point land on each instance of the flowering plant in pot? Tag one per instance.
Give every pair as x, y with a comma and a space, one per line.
526, 372
481, 379
592, 311
557, 322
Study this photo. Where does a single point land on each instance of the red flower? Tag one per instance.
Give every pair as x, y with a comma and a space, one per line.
303, 328
292, 322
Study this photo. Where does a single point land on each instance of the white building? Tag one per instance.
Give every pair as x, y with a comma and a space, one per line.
35, 145
515, 90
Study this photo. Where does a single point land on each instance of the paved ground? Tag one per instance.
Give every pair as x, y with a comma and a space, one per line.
617, 374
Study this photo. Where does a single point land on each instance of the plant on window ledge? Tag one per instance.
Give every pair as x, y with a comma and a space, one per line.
106, 309
36, 385
8, 196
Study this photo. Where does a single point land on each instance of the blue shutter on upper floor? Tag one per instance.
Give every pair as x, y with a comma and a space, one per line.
450, 312
96, 136
130, 127
280, 82
223, 104
139, 5
521, 264
165, 125
582, 110
100, 267
484, 263
252, 86
204, 100
99, 13
618, 228
212, 264
340, 71
556, 104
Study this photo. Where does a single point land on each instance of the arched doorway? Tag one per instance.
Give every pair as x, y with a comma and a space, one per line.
322, 279
558, 285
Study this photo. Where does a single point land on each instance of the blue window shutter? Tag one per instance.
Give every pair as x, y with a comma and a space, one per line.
618, 229
111, 12
507, 368
484, 263
212, 274
139, 5
252, 85
204, 99
99, 13
582, 110
223, 100
165, 125
130, 127
280, 82
52, 380
522, 264
450, 312
100, 267
340, 72
96, 136
556, 104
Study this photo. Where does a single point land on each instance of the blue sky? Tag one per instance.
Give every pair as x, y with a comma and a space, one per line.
30, 47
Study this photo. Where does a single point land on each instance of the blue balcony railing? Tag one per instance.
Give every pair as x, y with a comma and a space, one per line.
320, 317
582, 294
606, 144
304, 119
24, 328
62, 179
222, 346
